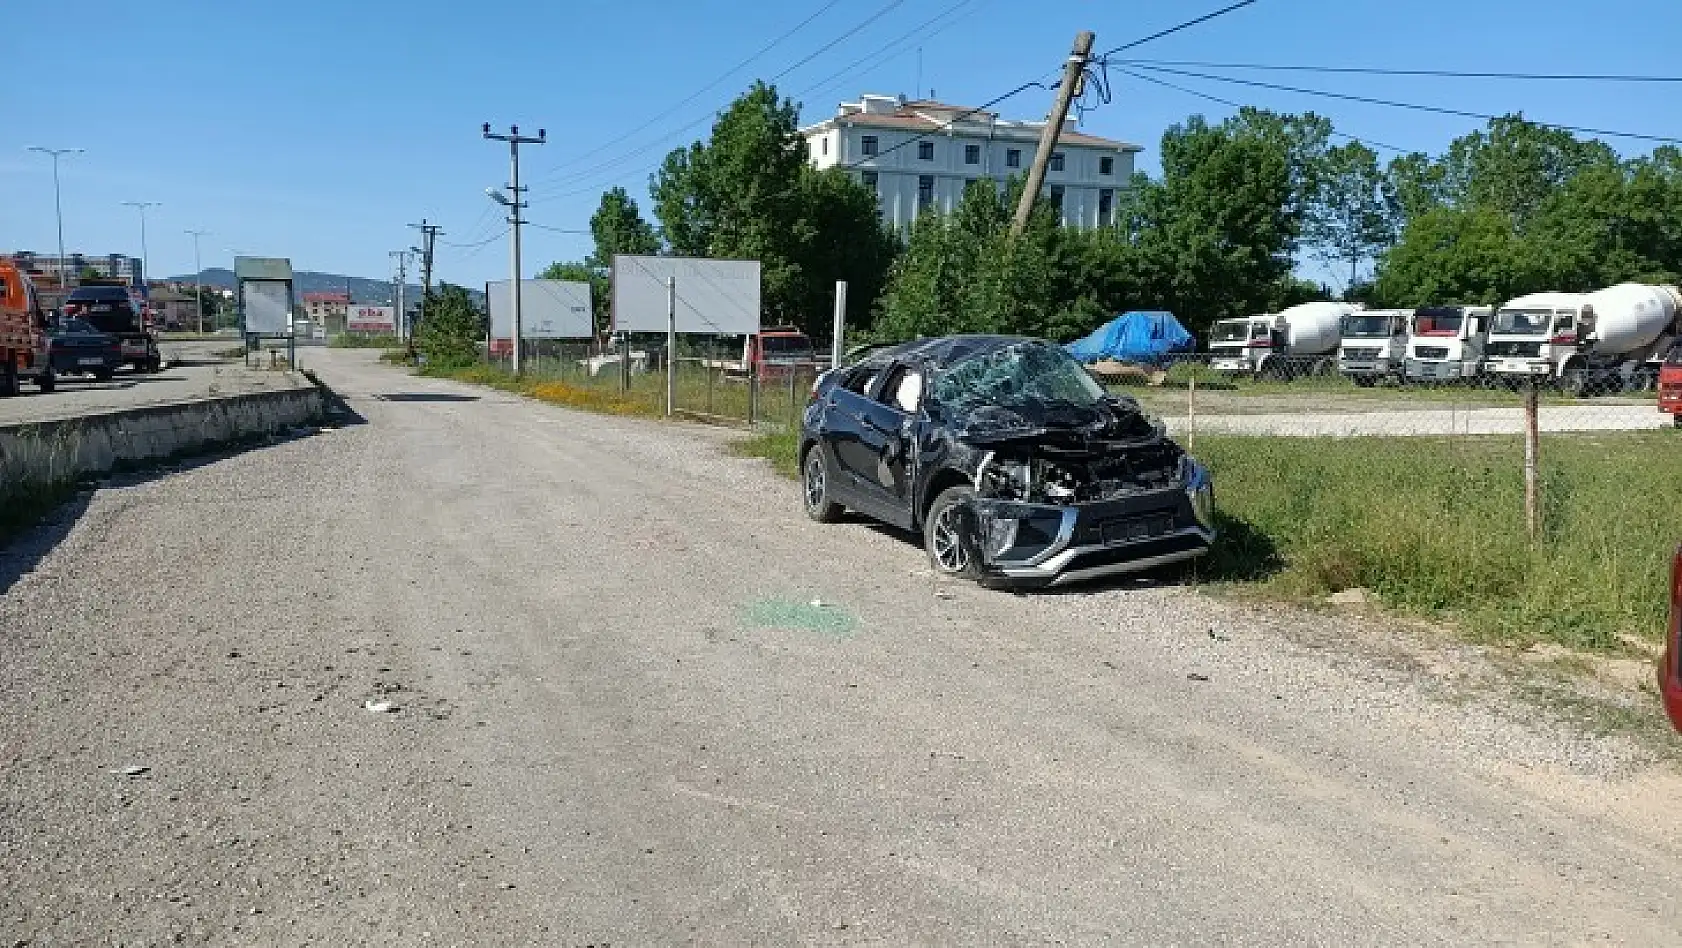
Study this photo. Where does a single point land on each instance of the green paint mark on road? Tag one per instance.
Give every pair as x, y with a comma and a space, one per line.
815, 616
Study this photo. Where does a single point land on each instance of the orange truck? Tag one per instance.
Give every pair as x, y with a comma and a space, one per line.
23, 333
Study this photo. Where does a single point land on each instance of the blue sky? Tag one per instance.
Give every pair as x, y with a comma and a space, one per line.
319, 133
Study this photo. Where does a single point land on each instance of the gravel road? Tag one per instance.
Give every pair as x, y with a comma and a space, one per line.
616, 717
192, 372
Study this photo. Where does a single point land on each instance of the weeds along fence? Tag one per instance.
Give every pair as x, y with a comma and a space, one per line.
1531, 508
710, 380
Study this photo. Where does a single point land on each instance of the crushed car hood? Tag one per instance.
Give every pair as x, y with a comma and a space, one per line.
1109, 423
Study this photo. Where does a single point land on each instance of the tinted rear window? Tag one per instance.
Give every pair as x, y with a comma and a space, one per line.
103, 293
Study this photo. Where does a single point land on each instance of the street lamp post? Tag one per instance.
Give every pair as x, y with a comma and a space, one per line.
145, 258
198, 276
58, 205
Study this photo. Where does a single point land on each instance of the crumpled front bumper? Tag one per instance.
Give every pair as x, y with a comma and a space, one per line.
1023, 544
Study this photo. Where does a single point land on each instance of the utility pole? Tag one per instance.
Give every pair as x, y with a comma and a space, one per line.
515, 140
58, 209
198, 276
1073, 70
402, 284
429, 237
145, 259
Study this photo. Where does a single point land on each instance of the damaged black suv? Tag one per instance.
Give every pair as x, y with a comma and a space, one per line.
1011, 460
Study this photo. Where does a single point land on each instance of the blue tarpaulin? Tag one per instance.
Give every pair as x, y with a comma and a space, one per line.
1134, 337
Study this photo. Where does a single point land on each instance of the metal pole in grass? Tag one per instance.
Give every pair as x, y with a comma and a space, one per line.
671, 345
1532, 446
835, 346
789, 418
1191, 413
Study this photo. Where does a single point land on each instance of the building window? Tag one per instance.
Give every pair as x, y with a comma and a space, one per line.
869, 179
972, 154
1056, 161
868, 145
1106, 206
1057, 197
925, 151
825, 146
1013, 158
925, 191
1106, 166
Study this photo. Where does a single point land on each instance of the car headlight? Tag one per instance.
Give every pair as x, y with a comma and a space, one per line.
1200, 490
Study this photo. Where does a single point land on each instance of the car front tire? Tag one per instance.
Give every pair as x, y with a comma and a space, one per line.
950, 552
814, 487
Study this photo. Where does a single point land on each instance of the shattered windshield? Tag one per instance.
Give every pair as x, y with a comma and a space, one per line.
1024, 375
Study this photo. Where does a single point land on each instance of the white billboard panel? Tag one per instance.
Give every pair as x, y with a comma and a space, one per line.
713, 296
268, 307
371, 319
549, 309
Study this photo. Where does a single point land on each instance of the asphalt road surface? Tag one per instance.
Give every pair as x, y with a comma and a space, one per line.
617, 716
192, 372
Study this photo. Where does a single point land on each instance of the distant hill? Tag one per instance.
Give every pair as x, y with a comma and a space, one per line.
362, 290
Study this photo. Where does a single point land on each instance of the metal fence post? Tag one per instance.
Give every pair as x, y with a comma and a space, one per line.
671, 345
753, 395
1191, 413
789, 418
1532, 446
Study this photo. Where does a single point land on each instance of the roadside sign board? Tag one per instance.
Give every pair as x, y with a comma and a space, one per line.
549, 309
717, 297
371, 319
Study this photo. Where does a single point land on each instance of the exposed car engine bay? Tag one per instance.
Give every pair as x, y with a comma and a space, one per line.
1049, 476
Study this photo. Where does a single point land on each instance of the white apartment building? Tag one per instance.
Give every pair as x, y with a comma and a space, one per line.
876, 139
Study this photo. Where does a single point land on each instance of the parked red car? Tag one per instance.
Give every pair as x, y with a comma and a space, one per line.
1670, 672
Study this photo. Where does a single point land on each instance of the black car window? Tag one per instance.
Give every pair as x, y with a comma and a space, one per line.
859, 378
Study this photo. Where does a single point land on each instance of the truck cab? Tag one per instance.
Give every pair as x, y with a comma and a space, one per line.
1374, 345
1533, 337
1670, 385
1240, 346
23, 333
777, 351
1446, 343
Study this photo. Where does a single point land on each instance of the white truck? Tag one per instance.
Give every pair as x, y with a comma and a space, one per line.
1374, 346
1299, 340
1446, 343
1609, 340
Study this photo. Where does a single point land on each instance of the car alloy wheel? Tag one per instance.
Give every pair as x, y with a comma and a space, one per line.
814, 488
945, 545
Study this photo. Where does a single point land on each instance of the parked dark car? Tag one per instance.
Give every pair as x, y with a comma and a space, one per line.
109, 309
1010, 459
1670, 664
75, 347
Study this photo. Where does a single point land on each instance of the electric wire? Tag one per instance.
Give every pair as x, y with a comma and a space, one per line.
1382, 71
1391, 103
1240, 105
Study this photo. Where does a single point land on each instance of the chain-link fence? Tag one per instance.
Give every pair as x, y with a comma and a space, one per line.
1534, 504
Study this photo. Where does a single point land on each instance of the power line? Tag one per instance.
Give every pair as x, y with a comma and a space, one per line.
1240, 105
478, 243
1378, 71
614, 163
1159, 34
916, 34
1440, 110
557, 230
825, 8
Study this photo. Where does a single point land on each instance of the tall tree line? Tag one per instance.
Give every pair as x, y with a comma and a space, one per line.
1239, 208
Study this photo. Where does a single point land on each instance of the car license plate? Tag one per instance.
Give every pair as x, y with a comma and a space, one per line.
100, 308
94, 360
1126, 531
133, 349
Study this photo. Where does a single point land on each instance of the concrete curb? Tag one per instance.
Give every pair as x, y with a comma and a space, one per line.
51, 452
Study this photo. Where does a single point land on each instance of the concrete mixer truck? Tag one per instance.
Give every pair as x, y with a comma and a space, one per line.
1375, 344
1445, 343
1611, 340
1300, 340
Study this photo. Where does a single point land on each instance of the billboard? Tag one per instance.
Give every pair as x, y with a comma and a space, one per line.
549, 309
713, 296
267, 305
371, 319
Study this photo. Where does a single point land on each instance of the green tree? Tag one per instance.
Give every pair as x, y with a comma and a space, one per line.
1353, 217
618, 227
1455, 255
449, 336
748, 192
